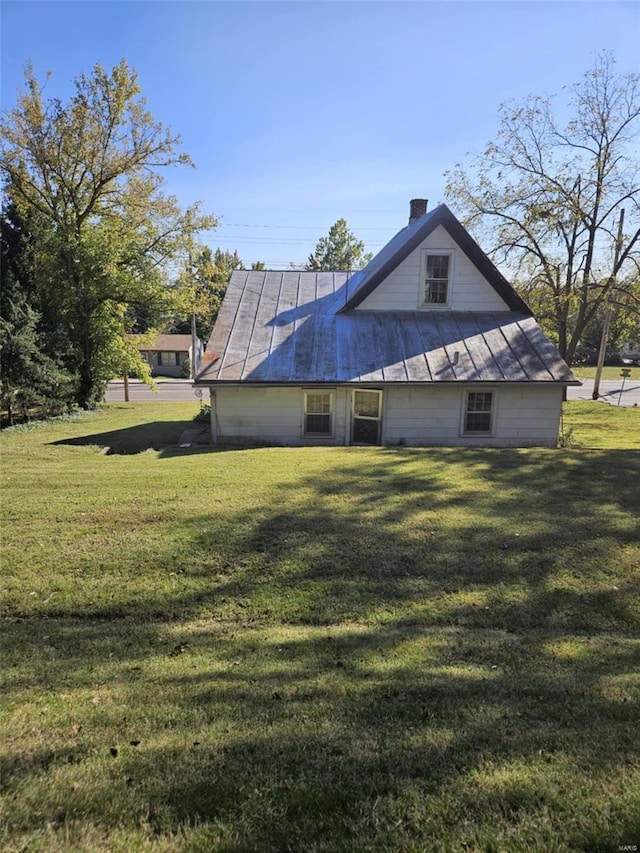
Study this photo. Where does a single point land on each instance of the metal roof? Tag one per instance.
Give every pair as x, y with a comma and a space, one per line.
292, 327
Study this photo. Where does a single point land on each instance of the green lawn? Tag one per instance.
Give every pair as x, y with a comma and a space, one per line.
607, 372
319, 649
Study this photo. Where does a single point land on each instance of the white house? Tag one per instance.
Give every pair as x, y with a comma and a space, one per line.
427, 345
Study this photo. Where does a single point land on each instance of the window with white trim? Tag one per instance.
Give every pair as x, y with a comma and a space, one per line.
318, 413
478, 415
437, 275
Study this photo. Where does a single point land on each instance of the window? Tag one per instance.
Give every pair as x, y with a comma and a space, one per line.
478, 412
168, 359
437, 272
318, 413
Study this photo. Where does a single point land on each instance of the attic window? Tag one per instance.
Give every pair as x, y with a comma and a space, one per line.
437, 273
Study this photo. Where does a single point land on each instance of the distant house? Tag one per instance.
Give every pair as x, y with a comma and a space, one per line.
630, 352
168, 353
427, 345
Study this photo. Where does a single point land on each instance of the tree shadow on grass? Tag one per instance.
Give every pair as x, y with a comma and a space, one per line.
385, 655
380, 737
156, 435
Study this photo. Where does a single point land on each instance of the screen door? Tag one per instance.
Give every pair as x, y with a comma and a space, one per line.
366, 420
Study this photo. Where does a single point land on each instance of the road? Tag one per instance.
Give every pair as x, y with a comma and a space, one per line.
611, 391
180, 390
173, 391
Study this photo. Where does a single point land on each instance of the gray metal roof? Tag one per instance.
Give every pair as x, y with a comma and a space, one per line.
288, 327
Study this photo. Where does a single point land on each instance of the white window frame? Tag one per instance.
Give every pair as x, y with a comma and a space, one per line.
465, 411
307, 392
427, 253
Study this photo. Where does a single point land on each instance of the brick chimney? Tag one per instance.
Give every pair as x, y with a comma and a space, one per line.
417, 208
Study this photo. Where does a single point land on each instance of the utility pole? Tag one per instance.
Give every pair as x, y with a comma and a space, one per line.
125, 372
193, 346
607, 316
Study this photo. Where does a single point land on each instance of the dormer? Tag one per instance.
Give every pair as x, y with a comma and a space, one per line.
432, 265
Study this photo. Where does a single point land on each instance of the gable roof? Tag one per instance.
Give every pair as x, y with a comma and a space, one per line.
286, 328
166, 343
409, 238
298, 328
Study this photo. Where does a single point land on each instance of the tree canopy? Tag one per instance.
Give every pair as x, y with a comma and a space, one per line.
84, 174
203, 282
339, 250
549, 198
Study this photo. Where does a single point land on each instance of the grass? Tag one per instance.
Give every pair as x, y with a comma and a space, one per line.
607, 372
319, 649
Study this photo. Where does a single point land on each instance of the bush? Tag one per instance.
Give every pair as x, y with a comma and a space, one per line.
204, 415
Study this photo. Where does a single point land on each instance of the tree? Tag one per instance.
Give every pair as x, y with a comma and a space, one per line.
204, 284
339, 250
550, 199
87, 171
624, 325
31, 381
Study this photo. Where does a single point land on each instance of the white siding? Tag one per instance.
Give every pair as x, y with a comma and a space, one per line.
525, 415
402, 289
270, 415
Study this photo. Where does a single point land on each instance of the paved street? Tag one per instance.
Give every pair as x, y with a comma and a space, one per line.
173, 391
180, 390
611, 391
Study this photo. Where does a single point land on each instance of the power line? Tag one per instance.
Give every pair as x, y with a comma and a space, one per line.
295, 227
257, 241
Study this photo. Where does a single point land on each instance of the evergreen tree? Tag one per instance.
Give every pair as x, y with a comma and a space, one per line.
32, 383
339, 250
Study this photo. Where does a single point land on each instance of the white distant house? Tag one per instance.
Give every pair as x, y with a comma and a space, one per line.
167, 354
427, 345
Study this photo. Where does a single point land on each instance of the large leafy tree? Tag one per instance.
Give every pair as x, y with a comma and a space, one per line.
339, 250
623, 325
87, 171
549, 198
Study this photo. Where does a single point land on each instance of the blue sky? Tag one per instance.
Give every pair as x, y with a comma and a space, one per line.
298, 113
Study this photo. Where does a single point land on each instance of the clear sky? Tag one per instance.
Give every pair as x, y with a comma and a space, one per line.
299, 113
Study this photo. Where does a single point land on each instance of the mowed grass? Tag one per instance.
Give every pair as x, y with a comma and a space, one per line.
608, 372
319, 649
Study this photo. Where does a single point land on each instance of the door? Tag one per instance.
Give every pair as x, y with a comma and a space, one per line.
366, 417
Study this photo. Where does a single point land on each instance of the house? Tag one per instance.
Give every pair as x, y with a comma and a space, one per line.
167, 354
630, 352
427, 345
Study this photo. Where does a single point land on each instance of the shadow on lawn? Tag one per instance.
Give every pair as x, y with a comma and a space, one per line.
155, 435
425, 689
338, 741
